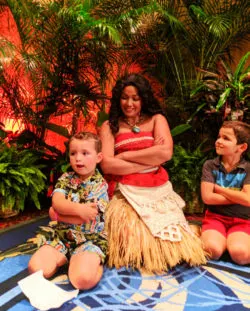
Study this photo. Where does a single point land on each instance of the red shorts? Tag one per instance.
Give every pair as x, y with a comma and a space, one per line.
225, 224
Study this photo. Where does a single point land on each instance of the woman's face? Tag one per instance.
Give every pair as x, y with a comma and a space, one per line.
130, 102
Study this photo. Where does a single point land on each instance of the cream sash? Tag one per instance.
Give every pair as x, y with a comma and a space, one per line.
159, 207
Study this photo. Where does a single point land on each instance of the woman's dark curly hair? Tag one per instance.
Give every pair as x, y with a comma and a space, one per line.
150, 105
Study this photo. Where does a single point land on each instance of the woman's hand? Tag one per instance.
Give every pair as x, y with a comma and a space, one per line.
116, 164
121, 155
155, 155
159, 141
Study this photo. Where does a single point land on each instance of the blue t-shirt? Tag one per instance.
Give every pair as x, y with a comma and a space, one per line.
213, 171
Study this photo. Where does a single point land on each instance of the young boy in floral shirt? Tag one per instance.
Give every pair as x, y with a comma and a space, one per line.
78, 203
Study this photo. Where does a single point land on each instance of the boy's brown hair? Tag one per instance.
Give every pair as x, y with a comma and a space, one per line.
241, 131
88, 136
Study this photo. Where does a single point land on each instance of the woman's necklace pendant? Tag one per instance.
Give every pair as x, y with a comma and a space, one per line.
136, 129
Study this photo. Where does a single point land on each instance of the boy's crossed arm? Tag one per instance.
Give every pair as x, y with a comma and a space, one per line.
214, 194
239, 197
73, 212
210, 197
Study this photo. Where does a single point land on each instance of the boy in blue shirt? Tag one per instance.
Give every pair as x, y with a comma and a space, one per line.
225, 189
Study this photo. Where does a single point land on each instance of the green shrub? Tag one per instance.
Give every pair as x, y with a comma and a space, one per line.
21, 177
185, 169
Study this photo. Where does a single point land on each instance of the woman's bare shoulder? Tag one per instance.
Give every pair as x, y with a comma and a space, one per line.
159, 116
106, 123
151, 122
159, 119
105, 126
105, 132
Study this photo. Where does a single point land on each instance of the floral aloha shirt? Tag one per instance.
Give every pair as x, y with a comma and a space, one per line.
83, 191
70, 239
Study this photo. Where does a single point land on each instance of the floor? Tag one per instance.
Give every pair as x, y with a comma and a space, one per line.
26, 215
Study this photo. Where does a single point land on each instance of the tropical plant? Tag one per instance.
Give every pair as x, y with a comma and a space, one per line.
70, 49
185, 169
3, 133
181, 36
64, 55
225, 89
21, 178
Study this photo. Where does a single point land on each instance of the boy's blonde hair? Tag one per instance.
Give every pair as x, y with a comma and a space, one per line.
88, 136
241, 131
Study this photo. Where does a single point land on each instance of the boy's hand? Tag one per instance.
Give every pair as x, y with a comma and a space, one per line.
217, 188
88, 212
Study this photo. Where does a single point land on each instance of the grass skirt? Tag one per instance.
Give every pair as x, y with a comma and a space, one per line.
131, 244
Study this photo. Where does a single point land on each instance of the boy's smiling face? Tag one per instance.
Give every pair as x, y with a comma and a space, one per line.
226, 143
84, 157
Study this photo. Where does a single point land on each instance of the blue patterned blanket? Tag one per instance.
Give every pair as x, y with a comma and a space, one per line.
218, 286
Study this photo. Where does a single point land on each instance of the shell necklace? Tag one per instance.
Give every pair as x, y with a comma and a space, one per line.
134, 127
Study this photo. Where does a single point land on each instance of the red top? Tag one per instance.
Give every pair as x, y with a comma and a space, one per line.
136, 141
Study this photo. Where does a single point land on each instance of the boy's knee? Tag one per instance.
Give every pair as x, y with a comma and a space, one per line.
86, 278
35, 264
32, 267
239, 255
214, 251
82, 281
46, 259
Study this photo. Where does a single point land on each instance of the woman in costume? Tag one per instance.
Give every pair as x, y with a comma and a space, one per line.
146, 227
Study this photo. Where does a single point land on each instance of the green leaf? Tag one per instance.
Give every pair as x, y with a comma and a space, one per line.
196, 111
3, 167
179, 129
197, 90
65, 167
102, 116
15, 172
61, 130
245, 75
223, 98
241, 65
197, 10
